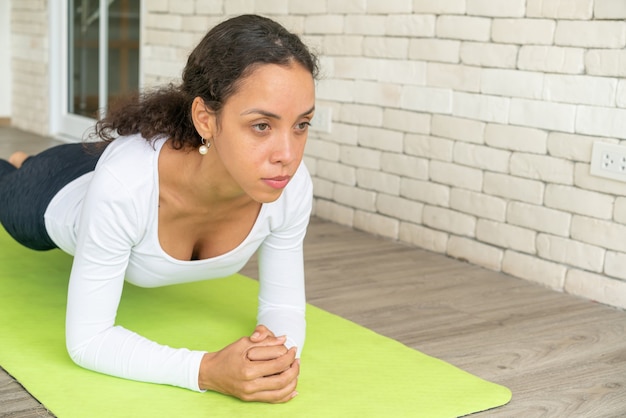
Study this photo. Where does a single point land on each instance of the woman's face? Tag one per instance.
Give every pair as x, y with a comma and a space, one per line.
263, 129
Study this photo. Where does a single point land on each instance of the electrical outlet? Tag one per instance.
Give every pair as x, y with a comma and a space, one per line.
323, 119
608, 160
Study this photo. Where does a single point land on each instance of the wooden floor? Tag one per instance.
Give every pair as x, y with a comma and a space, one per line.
560, 355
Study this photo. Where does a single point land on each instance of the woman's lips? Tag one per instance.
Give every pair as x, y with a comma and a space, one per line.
277, 182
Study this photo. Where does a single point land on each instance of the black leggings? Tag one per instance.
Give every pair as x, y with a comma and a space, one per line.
26, 192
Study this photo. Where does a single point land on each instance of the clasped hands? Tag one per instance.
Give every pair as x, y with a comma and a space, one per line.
256, 368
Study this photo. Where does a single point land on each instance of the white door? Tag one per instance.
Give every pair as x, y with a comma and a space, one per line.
94, 58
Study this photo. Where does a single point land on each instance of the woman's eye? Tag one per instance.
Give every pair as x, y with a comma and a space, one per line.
303, 125
261, 127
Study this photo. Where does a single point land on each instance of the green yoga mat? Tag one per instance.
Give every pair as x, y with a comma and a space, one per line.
347, 370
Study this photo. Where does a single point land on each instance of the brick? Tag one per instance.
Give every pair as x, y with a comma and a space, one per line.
347, 6
478, 204
346, 45
356, 68
378, 94
307, 7
464, 28
552, 59
426, 99
389, 6
595, 34
603, 233
272, 7
237, 7
516, 138
162, 21
515, 188
382, 139
356, 198
402, 72
361, 115
512, 83
411, 25
570, 252
334, 212
615, 264
452, 76
360, 157
343, 134
334, 171
324, 24
539, 218
182, 7
585, 180
570, 146
293, 23
438, 50
541, 167
482, 157
426, 238
611, 63
197, 23
365, 24
458, 128
544, 115
311, 164
378, 181
425, 191
609, 9
601, 121
428, 147
501, 8
475, 252
523, 31
160, 6
557, 9
596, 91
333, 89
489, 55
376, 224
400, 208
582, 202
406, 121
322, 188
534, 269
386, 47
405, 165
481, 107
439, 6
596, 287
621, 94
456, 175
619, 214
506, 236
322, 149
450, 221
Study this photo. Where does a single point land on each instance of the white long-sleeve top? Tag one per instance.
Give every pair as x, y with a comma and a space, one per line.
108, 220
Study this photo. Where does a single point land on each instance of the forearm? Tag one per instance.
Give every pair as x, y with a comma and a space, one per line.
122, 353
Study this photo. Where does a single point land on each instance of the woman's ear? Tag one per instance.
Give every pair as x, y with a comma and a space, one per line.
203, 118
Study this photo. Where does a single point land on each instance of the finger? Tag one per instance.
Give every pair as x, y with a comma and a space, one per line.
272, 367
266, 353
276, 389
260, 333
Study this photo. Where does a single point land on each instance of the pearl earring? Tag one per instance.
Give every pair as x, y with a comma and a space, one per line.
204, 148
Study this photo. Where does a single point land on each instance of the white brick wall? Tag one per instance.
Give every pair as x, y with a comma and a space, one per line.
463, 127
30, 81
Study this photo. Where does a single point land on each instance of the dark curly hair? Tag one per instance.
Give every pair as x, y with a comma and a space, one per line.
226, 55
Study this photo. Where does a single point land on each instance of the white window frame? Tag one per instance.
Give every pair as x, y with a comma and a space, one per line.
64, 125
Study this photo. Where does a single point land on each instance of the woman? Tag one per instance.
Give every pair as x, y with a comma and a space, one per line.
194, 180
